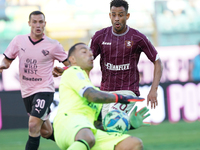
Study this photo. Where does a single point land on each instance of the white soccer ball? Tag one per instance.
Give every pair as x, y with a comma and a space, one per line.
116, 121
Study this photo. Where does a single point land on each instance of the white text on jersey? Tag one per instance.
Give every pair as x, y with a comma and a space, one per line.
106, 43
117, 67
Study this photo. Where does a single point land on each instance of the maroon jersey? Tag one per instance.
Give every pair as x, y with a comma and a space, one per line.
119, 56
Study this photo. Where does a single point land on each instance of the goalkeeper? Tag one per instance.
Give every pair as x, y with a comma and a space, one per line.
80, 105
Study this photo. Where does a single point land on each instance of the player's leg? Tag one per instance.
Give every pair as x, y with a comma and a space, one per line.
38, 107
72, 131
84, 140
130, 143
34, 137
34, 133
44, 100
47, 130
116, 141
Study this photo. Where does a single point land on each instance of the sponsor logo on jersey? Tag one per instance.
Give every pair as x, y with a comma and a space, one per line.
30, 66
106, 43
31, 79
45, 52
117, 67
129, 44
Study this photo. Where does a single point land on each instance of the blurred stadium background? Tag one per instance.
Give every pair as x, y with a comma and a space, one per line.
166, 23
173, 26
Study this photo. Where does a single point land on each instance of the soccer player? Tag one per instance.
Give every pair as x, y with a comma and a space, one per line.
119, 47
80, 105
36, 53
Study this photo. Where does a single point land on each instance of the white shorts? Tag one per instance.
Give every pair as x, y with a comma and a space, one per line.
113, 106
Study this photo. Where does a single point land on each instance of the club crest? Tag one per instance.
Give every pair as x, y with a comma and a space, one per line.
129, 44
45, 52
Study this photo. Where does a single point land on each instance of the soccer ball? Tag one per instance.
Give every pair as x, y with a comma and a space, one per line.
116, 121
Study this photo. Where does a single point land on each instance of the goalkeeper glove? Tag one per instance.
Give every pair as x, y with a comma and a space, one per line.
127, 99
136, 118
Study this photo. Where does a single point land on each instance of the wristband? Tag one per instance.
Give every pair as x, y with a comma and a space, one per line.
65, 67
116, 98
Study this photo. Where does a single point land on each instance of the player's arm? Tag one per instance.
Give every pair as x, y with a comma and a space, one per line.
66, 63
58, 71
93, 95
5, 64
152, 96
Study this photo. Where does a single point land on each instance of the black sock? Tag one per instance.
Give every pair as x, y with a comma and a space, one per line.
33, 143
51, 136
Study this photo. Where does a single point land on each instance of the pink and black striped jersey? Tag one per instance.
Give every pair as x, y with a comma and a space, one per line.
119, 56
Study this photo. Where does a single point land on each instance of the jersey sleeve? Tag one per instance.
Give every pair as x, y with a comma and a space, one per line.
148, 48
59, 53
12, 50
95, 45
76, 79
74, 83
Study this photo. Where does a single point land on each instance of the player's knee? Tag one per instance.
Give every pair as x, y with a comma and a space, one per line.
137, 144
46, 130
90, 140
45, 133
34, 127
91, 143
86, 135
130, 143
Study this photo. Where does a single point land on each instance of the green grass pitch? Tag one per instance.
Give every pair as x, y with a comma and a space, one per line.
165, 136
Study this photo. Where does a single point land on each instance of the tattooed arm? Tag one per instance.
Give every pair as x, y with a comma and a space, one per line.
96, 96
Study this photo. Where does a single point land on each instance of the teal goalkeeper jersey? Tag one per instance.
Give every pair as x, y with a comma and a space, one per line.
74, 82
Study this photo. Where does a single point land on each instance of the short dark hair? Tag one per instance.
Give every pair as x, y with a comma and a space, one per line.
72, 49
37, 12
119, 3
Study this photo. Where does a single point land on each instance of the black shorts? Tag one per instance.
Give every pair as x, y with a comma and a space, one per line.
38, 104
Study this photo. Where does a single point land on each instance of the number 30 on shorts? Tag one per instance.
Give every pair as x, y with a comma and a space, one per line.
40, 103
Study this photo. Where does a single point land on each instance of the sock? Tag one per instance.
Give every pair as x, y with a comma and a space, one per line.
33, 143
79, 145
52, 136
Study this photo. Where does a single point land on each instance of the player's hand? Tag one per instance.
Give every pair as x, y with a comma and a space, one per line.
152, 97
137, 117
57, 71
127, 99
2, 67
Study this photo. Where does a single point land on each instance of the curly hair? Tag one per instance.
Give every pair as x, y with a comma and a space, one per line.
119, 3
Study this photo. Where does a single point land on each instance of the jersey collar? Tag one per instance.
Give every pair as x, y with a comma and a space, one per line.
122, 33
35, 42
